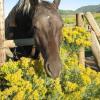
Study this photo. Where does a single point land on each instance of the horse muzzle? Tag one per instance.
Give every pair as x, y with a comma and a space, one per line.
53, 68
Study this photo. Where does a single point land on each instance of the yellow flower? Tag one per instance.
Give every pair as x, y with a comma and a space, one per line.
91, 73
71, 86
97, 80
87, 43
25, 86
82, 68
57, 86
39, 81
15, 78
10, 91
9, 67
35, 95
19, 96
25, 62
78, 42
75, 33
81, 30
31, 71
86, 79
64, 31
77, 95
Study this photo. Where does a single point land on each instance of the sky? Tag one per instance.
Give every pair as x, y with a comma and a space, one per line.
65, 4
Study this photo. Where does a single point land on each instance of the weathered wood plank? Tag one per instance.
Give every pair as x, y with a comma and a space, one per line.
80, 23
93, 24
18, 42
95, 47
2, 33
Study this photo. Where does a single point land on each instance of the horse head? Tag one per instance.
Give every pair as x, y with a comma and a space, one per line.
47, 25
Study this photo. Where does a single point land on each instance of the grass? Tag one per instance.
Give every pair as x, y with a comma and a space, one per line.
97, 18
71, 19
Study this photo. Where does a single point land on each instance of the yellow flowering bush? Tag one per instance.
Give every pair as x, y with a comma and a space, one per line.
76, 37
26, 79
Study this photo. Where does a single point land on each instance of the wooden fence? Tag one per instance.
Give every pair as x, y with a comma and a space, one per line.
95, 36
5, 44
94, 29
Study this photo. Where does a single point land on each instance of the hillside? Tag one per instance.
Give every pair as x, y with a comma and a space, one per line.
91, 8
64, 12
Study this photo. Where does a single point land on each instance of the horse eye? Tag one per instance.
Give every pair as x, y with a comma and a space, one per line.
34, 27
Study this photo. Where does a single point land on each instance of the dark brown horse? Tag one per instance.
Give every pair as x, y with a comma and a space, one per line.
40, 20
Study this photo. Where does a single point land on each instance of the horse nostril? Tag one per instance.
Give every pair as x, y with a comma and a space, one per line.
48, 69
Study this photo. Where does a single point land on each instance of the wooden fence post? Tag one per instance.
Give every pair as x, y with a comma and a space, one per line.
80, 23
2, 33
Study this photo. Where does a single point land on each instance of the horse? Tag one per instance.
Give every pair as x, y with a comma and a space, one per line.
40, 20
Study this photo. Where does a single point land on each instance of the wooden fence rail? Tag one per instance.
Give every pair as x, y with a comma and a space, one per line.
95, 47
93, 24
18, 42
95, 36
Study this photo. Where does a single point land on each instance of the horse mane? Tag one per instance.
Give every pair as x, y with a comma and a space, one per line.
23, 5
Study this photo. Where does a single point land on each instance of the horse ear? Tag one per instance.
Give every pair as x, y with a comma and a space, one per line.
56, 2
39, 1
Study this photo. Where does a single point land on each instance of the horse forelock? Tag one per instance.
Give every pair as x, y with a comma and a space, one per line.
23, 5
